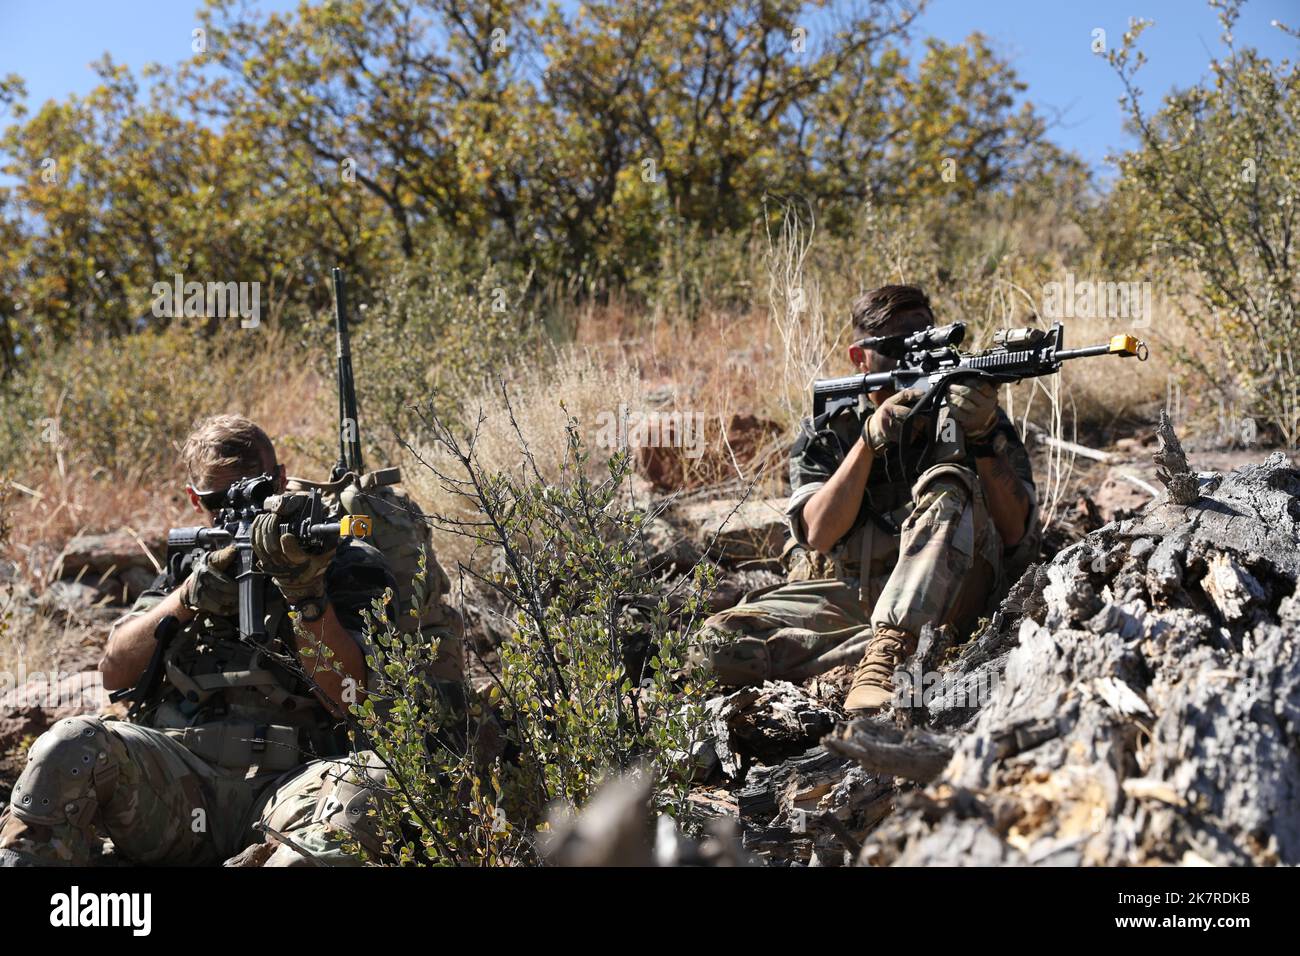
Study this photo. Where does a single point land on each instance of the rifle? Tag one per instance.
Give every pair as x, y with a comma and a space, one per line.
929, 360
233, 524
146, 687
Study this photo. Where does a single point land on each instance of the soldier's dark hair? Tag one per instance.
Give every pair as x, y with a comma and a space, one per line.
875, 310
226, 447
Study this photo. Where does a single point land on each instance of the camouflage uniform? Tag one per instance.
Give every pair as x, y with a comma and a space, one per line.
224, 749
921, 550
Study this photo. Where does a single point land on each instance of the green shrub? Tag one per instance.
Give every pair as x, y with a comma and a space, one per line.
588, 684
120, 405
1210, 197
438, 326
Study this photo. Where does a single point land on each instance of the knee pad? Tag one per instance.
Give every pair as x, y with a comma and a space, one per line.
348, 791
71, 770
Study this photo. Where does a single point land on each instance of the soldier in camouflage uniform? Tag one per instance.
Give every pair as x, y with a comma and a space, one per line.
229, 743
883, 537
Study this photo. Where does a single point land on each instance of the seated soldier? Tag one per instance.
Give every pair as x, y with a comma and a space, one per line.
909, 540
226, 743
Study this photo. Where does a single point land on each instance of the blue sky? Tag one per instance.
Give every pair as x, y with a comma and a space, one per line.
52, 42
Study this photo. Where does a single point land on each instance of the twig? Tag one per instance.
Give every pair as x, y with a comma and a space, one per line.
145, 548
291, 844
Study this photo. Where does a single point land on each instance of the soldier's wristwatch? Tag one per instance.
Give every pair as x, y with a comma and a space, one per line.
311, 609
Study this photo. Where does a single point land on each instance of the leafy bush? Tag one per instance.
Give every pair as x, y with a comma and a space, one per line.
587, 684
438, 327
1211, 196
120, 407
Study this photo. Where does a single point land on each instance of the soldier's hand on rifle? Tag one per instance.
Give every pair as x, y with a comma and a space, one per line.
298, 573
211, 588
885, 426
974, 406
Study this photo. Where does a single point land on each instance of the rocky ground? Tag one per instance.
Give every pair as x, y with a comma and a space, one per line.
1135, 699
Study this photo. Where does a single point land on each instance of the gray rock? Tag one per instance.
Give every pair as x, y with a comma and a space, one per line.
733, 532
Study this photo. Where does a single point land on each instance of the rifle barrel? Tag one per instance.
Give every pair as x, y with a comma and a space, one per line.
1087, 352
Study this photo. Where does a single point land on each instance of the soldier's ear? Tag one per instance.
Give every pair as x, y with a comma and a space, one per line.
194, 499
857, 356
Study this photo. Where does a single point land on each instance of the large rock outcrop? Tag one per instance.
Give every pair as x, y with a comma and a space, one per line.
1136, 700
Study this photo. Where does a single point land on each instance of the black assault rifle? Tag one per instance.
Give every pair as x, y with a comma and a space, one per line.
929, 360
232, 524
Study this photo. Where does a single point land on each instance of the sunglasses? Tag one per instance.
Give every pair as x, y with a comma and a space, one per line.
858, 350
211, 500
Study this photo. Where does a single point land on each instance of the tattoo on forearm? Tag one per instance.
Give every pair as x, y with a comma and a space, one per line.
1000, 470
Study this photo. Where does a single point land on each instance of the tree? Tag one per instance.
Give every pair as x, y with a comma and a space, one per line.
1213, 189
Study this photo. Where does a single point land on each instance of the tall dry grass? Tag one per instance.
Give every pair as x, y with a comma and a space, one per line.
746, 369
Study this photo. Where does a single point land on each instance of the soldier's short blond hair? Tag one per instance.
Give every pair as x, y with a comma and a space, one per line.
223, 447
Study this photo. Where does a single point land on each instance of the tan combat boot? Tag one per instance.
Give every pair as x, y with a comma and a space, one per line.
873, 681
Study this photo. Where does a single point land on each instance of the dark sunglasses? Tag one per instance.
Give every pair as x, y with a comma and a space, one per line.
211, 500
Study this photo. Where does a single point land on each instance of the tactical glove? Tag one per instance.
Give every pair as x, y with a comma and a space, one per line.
885, 426
974, 406
297, 573
211, 588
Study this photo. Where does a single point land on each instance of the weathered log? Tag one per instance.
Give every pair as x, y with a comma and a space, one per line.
1148, 708
1171, 464
817, 806
767, 724
912, 754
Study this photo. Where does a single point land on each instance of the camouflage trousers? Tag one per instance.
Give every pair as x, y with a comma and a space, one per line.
944, 570
160, 804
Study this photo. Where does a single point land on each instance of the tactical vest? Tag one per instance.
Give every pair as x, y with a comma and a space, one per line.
234, 705
870, 547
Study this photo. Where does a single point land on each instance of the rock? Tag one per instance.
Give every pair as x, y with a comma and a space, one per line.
766, 724
612, 829
1148, 714
137, 580
114, 551
815, 806
32, 707
1119, 497
732, 532
668, 462
615, 829
68, 597
665, 548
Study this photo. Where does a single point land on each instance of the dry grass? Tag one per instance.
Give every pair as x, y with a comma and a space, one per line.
531, 410
748, 373
70, 495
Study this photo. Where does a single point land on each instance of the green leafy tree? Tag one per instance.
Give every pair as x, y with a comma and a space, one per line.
1210, 198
